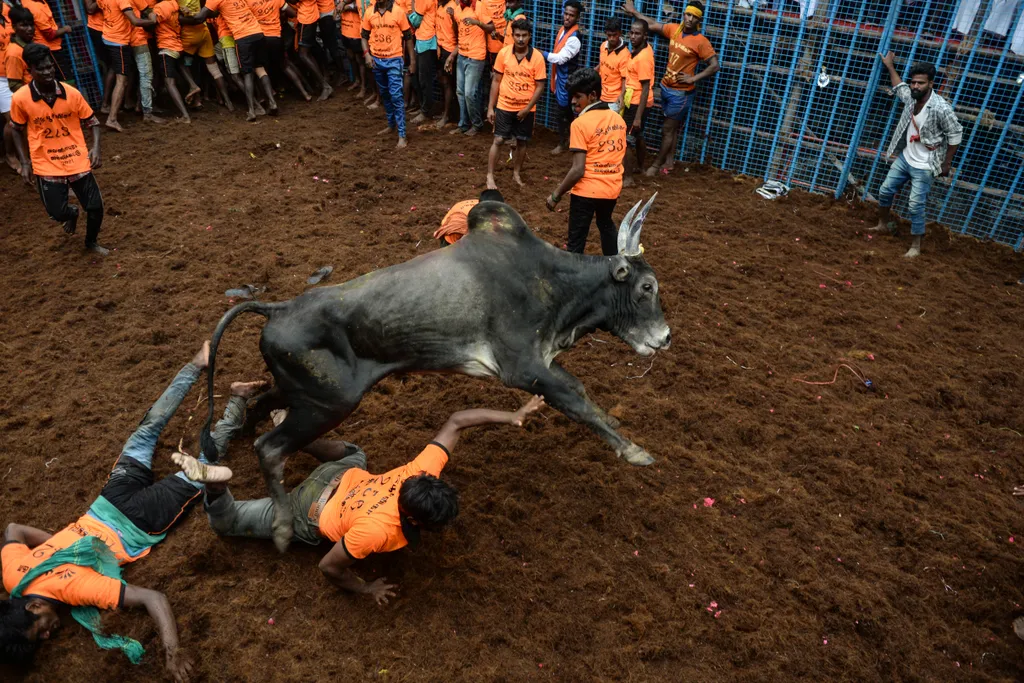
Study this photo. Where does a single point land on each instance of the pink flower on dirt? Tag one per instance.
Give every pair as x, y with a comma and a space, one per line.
708, 502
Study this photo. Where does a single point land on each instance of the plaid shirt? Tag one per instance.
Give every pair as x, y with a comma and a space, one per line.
940, 128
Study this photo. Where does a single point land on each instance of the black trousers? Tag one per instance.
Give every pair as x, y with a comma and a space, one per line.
153, 507
581, 213
564, 122
330, 37
426, 73
55, 200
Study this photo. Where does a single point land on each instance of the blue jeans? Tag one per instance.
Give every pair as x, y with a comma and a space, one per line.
388, 74
469, 73
920, 182
144, 62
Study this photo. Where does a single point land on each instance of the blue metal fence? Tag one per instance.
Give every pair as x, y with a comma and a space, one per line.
79, 49
803, 98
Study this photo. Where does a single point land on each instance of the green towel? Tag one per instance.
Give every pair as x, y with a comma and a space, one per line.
93, 553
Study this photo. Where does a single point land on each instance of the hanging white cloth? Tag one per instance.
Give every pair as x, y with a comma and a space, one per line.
965, 16
1001, 16
1017, 44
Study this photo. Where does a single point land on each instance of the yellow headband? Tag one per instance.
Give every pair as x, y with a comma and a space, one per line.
695, 11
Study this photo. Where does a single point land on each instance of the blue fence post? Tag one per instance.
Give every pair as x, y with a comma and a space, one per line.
1006, 203
974, 131
813, 94
788, 92
764, 88
714, 88
739, 89
869, 97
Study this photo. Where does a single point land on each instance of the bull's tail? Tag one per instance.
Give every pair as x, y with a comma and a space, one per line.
206, 442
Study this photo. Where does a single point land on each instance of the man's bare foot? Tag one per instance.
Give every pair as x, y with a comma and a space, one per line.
247, 389
627, 180
401, 143
371, 98
352, 86
105, 109
557, 150
251, 116
419, 118
491, 185
385, 131
442, 122
260, 111
113, 125
278, 416
879, 227
151, 118
325, 93
97, 249
191, 95
186, 120
71, 224
201, 472
228, 105
373, 105
202, 358
651, 171
13, 162
456, 131
519, 181
472, 131
913, 252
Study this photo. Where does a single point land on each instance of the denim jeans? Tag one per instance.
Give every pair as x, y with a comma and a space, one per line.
144, 62
469, 73
920, 182
388, 74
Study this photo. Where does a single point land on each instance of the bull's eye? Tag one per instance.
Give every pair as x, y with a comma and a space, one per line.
648, 287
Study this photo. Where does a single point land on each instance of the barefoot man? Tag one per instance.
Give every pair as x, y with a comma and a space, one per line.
516, 86
360, 513
79, 566
923, 145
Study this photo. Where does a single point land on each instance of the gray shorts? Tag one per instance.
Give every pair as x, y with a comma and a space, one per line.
254, 518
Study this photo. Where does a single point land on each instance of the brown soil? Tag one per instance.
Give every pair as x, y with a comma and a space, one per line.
854, 534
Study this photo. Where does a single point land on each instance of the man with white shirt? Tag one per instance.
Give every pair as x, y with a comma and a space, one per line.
564, 59
923, 145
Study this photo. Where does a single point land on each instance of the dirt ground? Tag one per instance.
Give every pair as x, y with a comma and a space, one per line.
787, 530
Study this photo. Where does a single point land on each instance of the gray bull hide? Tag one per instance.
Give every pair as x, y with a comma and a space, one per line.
500, 302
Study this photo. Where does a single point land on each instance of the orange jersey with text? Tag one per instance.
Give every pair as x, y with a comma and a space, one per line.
685, 52
444, 28
237, 15
364, 510
641, 68
268, 14
519, 77
386, 31
495, 12
168, 29
601, 133
43, 16
613, 67
427, 9
116, 27
472, 41
351, 22
55, 139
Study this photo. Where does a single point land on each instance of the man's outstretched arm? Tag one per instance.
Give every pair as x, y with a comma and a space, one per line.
336, 565
155, 602
464, 419
29, 535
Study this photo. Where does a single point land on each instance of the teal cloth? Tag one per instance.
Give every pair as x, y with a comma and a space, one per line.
135, 540
415, 19
426, 45
93, 553
510, 16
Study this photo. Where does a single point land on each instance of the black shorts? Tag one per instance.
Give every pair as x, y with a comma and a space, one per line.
98, 48
169, 66
306, 35
152, 507
507, 125
629, 116
252, 52
118, 58
353, 45
275, 51
445, 54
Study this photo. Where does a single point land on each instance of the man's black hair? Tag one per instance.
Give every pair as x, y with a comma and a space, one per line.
613, 24
491, 196
574, 3
522, 24
15, 621
20, 15
643, 22
37, 55
431, 502
586, 81
927, 70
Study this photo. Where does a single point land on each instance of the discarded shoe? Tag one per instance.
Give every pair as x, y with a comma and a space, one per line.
320, 275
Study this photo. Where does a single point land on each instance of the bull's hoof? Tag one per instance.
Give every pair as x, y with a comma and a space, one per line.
612, 422
635, 455
282, 528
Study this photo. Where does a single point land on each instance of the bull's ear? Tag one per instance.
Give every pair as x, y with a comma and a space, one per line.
621, 269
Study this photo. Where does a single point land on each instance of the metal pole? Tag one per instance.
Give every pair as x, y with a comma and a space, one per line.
714, 88
788, 92
739, 90
764, 86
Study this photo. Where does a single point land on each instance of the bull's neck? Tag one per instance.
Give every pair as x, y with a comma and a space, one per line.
581, 286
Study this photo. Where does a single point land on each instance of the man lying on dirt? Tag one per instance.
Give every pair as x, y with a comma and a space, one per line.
359, 512
79, 566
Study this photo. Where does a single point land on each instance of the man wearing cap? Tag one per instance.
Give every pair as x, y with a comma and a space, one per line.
686, 49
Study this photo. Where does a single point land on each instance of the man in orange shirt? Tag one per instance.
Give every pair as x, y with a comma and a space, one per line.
639, 97
447, 32
352, 41
251, 45
597, 141
360, 513
169, 46
470, 65
455, 224
49, 34
613, 65
513, 10
119, 21
268, 13
386, 30
425, 47
516, 87
307, 19
50, 116
23, 29
79, 565
687, 48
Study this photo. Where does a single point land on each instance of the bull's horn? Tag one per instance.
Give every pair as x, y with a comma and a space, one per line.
629, 229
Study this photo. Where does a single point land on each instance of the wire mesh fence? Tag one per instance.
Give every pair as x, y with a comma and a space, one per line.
802, 97
79, 48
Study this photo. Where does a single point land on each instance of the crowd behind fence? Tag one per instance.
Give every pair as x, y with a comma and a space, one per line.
802, 97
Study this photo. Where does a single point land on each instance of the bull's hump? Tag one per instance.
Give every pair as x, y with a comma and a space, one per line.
495, 217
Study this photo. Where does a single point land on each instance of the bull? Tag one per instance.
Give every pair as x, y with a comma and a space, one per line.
500, 302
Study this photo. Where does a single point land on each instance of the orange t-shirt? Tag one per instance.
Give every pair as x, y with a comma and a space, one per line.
43, 16
364, 509
641, 68
140, 36
472, 41
237, 15
386, 31
55, 138
427, 9
168, 28
444, 29
508, 27
351, 22
601, 133
325, 7
455, 224
307, 12
685, 51
95, 21
519, 77
614, 66
116, 27
14, 65
268, 14
66, 583
495, 11
5, 39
